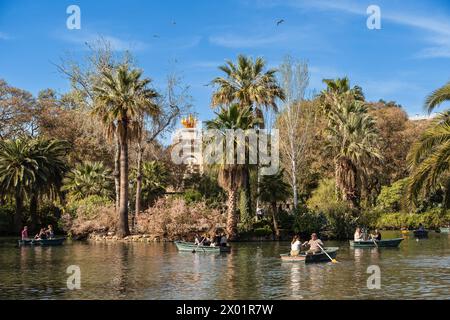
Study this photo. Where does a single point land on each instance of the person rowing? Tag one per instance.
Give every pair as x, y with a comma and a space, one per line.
376, 236
314, 245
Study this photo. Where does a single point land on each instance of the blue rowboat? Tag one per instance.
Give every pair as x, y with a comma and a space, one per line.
192, 247
312, 258
42, 242
421, 234
390, 243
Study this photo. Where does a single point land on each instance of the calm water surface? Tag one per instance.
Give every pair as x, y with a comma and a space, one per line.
418, 269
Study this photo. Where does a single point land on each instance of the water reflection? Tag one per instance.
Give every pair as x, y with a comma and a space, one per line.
251, 271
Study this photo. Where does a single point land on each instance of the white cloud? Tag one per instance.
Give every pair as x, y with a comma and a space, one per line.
437, 26
116, 43
419, 117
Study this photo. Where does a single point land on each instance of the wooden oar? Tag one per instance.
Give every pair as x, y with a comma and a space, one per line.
332, 260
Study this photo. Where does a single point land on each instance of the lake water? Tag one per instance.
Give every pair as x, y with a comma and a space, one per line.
418, 269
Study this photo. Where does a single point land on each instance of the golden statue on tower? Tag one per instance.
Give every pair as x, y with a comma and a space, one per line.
190, 122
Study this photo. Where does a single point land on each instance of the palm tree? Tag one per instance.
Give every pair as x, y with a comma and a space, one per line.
250, 86
429, 158
30, 169
89, 179
121, 97
18, 167
353, 141
154, 181
232, 176
51, 170
274, 189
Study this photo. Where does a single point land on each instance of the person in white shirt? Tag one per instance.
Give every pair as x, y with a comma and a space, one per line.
295, 246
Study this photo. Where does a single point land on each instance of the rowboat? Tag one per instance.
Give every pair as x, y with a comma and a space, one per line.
42, 242
390, 243
312, 258
192, 247
445, 230
421, 233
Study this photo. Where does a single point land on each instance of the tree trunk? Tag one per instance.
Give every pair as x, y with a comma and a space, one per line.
139, 180
33, 213
294, 184
275, 222
346, 181
117, 171
18, 214
124, 229
231, 215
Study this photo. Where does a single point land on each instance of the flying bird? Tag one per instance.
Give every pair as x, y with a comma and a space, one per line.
280, 22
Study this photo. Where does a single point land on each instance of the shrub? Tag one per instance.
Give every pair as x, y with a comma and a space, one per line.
6, 219
91, 215
390, 197
174, 218
191, 196
263, 232
307, 222
433, 219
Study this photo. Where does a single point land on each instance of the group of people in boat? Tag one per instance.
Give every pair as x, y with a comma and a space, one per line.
43, 233
313, 246
219, 239
362, 235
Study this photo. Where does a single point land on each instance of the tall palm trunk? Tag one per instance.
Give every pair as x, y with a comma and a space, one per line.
139, 179
18, 213
33, 212
117, 171
246, 199
124, 229
346, 181
231, 214
275, 221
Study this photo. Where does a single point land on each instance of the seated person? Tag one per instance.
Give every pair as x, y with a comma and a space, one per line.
421, 227
49, 232
376, 235
295, 246
25, 233
358, 235
223, 240
314, 244
197, 240
41, 235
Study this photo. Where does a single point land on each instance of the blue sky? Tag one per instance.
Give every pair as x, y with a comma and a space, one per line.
404, 61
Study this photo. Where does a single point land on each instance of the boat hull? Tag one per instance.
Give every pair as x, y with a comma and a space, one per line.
421, 234
313, 258
46, 242
391, 243
191, 247
445, 230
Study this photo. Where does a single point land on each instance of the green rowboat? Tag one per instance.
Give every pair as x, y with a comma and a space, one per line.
191, 247
391, 243
43, 242
312, 258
